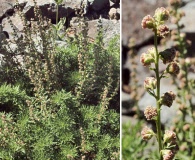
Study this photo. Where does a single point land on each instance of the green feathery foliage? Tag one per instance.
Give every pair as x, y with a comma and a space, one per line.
61, 93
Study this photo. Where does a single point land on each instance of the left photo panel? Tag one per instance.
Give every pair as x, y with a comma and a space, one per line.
60, 79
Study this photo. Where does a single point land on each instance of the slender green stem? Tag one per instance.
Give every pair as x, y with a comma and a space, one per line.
158, 123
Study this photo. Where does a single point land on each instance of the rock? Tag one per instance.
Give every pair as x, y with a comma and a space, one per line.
67, 9
133, 12
98, 5
115, 1
189, 10
110, 29
18, 25
6, 7
112, 4
48, 8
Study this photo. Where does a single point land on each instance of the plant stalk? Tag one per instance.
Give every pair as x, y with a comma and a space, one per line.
158, 123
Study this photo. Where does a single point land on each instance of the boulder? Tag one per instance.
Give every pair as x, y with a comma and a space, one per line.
18, 25
133, 12
98, 5
189, 10
6, 7
110, 29
115, 1
48, 8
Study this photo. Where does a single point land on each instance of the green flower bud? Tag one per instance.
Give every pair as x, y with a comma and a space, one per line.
150, 83
167, 154
148, 22
162, 30
147, 133
150, 113
169, 137
146, 59
151, 51
161, 14
173, 68
188, 61
175, 3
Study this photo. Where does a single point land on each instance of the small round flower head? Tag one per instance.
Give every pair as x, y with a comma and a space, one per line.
147, 133
173, 68
175, 3
188, 61
167, 154
169, 137
186, 127
168, 98
146, 59
150, 83
162, 30
148, 22
151, 51
188, 43
161, 14
181, 14
183, 147
150, 113
167, 55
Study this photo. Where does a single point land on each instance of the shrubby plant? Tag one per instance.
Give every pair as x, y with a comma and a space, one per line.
55, 101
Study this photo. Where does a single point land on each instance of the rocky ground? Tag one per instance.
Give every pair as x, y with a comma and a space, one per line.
133, 12
109, 10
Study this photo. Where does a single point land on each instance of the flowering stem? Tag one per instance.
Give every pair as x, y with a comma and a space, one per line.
182, 55
158, 123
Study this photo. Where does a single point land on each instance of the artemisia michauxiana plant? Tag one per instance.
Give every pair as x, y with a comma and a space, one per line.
166, 139
185, 83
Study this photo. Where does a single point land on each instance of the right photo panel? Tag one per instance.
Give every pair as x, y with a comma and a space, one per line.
158, 80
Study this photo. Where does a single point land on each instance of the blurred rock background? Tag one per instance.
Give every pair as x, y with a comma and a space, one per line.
133, 12
108, 10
